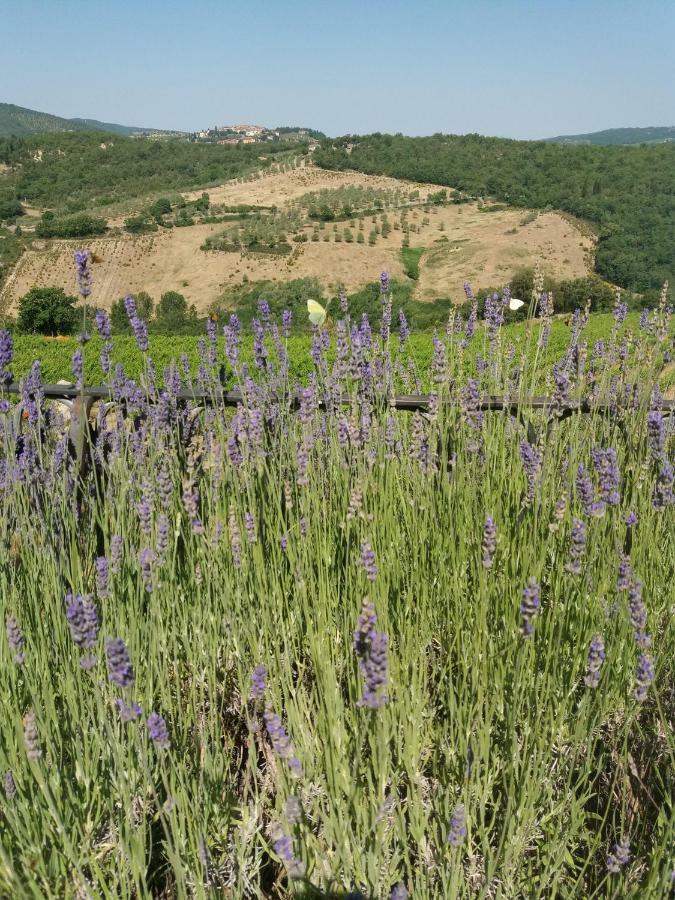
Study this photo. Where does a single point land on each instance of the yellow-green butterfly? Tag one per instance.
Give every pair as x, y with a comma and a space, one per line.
317, 314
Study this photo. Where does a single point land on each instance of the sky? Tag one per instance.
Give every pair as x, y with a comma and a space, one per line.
512, 68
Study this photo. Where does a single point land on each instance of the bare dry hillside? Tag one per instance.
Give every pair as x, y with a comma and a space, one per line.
460, 242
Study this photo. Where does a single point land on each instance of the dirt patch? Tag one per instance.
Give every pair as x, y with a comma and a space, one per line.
462, 243
484, 248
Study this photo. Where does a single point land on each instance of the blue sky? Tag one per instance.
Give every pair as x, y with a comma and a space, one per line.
515, 68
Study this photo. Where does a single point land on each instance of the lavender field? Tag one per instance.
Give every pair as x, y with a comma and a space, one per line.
313, 646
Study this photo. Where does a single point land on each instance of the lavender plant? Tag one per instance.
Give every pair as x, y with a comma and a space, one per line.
489, 719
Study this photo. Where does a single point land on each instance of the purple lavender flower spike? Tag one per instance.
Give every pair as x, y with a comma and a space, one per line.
586, 494
82, 618
250, 528
146, 561
631, 519
606, 466
6, 356
638, 613
129, 712
102, 576
489, 541
78, 366
664, 493
283, 847
596, 657
83, 272
102, 322
157, 731
258, 683
368, 561
8, 786
15, 639
120, 670
529, 607
281, 742
531, 459
116, 552
31, 736
371, 648
399, 892
644, 675
384, 283
619, 857
578, 546
457, 830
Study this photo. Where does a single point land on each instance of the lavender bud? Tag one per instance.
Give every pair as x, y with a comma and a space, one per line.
31, 737
371, 648
368, 561
120, 670
489, 541
281, 742
258, 683
102, 576
619, 857
578, 546
529, 607
457, 830
83, 272
644, 675
15, 639
9, 786
596, 657
129, 712
157, 731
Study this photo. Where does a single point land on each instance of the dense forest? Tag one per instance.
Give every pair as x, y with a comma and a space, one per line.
656, 135
74, 171
627, 193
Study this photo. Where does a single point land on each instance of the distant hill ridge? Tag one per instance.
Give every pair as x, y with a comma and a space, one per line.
655, 134
17, 120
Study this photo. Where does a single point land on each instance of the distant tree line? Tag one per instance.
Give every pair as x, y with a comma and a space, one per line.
628, 193
50, 311
78, 170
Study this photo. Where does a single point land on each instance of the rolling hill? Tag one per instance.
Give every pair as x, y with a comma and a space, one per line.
17, 120
652, 135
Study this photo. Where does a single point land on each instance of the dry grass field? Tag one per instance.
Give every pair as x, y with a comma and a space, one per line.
460, 242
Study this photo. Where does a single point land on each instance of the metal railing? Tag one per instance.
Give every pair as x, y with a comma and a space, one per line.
402, 402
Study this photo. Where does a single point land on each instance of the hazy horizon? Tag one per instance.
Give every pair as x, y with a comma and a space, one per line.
505, 69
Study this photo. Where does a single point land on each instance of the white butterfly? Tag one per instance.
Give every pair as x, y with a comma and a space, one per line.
317, 314
515, 304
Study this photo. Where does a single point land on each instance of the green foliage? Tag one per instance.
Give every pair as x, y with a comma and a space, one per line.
411, 261
632, 202
293, 295
72, 171
174, 316
279, 525
257, 234
47, 311
81, 225
647, 135
161, 207
10, 208
139, 225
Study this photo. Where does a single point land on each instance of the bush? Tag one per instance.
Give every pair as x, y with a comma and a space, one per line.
47, 310
139, 225
81, 225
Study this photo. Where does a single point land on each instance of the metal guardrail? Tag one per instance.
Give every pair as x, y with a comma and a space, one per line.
403, 402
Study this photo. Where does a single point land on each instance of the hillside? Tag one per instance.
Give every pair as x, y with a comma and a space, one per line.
19, 121
208, 259
628, 193
653, 135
